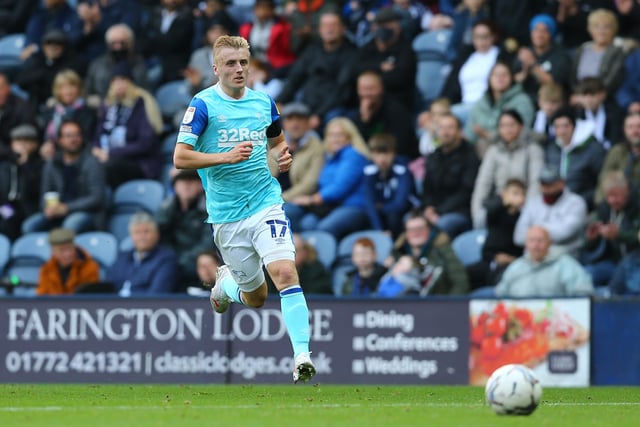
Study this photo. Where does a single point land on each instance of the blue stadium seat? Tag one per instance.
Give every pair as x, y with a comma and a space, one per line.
381, 240
433, 68
173, 98
28, 253
101, 245
337, 278
468, 245
11, 46
131, 197
325, 245
168, 145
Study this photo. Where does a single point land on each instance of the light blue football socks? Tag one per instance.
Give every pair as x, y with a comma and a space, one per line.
231, 288
295, 314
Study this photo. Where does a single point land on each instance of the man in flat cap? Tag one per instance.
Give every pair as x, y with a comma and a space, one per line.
69, 266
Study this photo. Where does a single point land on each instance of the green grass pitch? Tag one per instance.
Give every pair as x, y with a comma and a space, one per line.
302, 406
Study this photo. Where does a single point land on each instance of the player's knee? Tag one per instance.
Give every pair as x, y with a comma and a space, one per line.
284, 273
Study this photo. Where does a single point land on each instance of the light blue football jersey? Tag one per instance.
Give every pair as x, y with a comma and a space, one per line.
215, 123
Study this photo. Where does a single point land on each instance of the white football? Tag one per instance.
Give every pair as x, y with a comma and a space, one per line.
513, 390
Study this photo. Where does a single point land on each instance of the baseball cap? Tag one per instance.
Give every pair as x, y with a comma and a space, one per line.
25, 131
549, 175
387, 15
55, 36
295, 109
58, 236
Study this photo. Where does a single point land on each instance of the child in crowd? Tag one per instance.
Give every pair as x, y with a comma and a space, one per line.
499, 251
591, 96
363, 279
550, 98
389, 186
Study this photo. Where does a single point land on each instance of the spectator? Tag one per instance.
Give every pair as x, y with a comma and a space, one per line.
120, 44
503, 93
600, 110
469, 76
306, 148
516, 154
207, 264
20, 176
126, 141
14, 15
363, 279
572, 16
611, 234
626, 279
576, 154
305, 20
450, 174
562, 213
550, 99
14, 111
181, 223
211, 11
441, 272
498, 250
166, 40
149, 268
198, 74
261, 79
513, 18
628, 94
541, 272
625, 156
543, 62
98, 16
628, 13
390, 54
69, 267
68, 103
464, 17
358, 16
338, 205
380, 113
312, 273
269, 37
321, 76
427, 123
40, 69
600, 57
54, 14
389, 187
72, 186
403, 278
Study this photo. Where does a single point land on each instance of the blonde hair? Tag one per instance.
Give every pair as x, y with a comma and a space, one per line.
356, 139
233, 42
68, 77
151, 107
603, 16
551, 92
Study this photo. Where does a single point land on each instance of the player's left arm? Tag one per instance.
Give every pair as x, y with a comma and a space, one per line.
278, 147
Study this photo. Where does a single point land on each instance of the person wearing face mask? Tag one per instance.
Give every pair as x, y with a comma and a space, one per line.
120, 41
390, 55
556, 208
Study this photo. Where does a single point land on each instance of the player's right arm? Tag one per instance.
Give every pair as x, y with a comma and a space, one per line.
194, 123
185, 157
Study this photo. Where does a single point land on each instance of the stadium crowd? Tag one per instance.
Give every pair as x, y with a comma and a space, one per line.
533, 139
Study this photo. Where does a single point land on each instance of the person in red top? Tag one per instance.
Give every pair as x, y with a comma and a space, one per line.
269, 37
69, 266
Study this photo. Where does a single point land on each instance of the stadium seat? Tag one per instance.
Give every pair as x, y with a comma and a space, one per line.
27, 255
337, 278
468, 245
325, 245
131, 197
11, 46
381, 240
168, 144
101, 245
126, 244
173, 98
5, 248
433, 68
119, 225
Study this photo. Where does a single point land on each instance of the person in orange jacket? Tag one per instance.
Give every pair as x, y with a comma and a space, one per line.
69, 266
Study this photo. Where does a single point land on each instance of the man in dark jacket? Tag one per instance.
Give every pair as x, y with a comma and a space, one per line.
13, 112
322, 74
449, 179
73, 186
181, 221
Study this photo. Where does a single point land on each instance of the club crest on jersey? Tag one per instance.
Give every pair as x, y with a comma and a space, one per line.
188, 115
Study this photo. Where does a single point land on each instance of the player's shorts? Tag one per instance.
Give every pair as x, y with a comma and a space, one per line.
247, 244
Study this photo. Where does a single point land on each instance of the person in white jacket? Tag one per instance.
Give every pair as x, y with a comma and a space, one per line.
561, 212
543, 271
